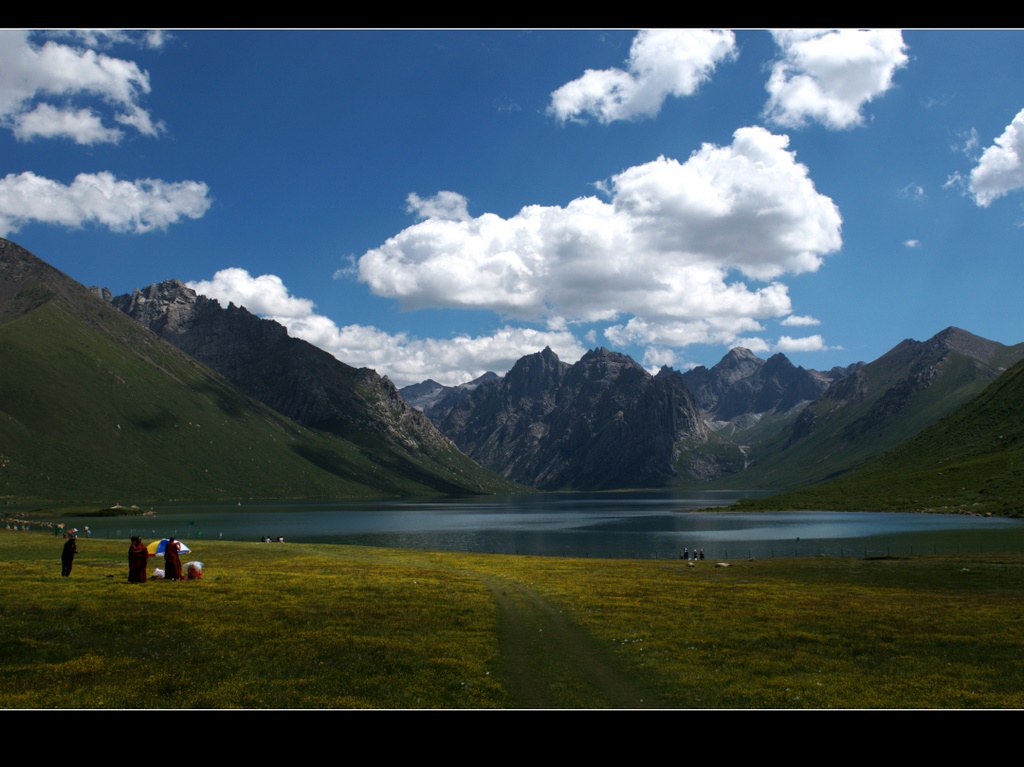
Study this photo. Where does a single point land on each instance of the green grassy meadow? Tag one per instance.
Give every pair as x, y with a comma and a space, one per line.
322, 626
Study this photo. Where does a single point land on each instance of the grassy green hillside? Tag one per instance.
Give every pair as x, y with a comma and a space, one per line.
95, 408
877, 408
971, 460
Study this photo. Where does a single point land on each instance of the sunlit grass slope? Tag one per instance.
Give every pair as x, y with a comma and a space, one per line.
271, 625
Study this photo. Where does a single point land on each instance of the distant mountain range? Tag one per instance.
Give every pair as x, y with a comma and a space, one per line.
876, 407
745, 423
96, 407
971, 461
599, 424
164, 394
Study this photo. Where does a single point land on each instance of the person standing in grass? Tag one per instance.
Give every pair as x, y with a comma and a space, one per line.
67, 557
172, 562
137, 557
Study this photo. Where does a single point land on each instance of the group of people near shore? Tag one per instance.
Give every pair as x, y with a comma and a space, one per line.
696, 554
138, 557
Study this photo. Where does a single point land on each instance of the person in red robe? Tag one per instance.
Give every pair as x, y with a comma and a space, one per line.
172, 562
137, 556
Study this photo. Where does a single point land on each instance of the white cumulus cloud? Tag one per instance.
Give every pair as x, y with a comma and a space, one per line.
662, 63
30, 73
46, 121
797, 321
660, 258
1001, 167
404, 359
265, 295
680, 334
829, 75
100, 199
813, 343
450, 206
102, 38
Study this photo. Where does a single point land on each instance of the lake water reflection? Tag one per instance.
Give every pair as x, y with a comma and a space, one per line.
635, 525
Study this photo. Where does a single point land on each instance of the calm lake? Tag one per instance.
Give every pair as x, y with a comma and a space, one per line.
633, 525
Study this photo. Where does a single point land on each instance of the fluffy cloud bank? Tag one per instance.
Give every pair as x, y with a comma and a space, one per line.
1001, 167
31, 72
663, 251
98, 198
405, 360
829, 75
662, 63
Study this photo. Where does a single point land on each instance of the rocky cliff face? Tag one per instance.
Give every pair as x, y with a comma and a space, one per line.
742, 384
290, 375
602, 423
436, 400
752, 423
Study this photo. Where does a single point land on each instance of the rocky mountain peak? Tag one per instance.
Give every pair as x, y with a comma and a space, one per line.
602, 422
164, 307
740, 361
968, 344
607, 364
742, 384
534, 375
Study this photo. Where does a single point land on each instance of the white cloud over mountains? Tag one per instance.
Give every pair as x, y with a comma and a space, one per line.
1001, 167
662, 63
98, 198
450, 361
796, 321
404, 359
813, 343
829, 75
30, 73
664, 251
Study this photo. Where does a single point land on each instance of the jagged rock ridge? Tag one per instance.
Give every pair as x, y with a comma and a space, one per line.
435, 399
749, 424
601, 423
742, 384
292, 376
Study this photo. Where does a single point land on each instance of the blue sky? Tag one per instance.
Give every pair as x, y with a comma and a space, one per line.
435, 204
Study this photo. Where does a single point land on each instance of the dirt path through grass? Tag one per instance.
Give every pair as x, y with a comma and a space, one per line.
551, 662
